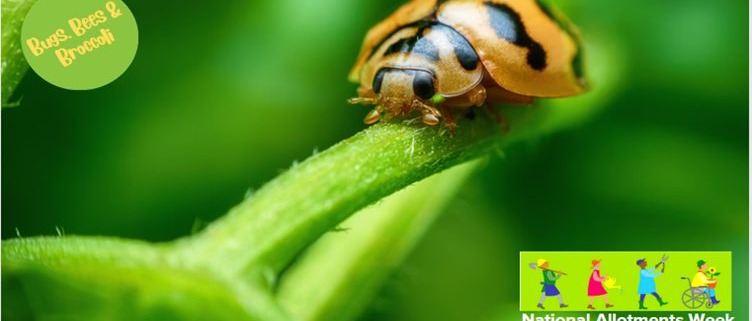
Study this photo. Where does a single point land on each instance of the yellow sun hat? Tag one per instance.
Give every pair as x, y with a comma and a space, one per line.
541, 262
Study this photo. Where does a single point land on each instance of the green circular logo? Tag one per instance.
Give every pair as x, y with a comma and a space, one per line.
82, 44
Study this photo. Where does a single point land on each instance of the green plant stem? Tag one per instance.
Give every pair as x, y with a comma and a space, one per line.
339, 275
14, 66
263, 233
231, 265
234, 262
260, 236
97, 278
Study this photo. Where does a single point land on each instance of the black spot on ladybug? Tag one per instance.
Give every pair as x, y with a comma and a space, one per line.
415, 44
421, 24
378, 80
423, 84
508, 26
462, 49
465, 53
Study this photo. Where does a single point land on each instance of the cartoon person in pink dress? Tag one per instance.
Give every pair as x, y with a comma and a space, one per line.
595, 286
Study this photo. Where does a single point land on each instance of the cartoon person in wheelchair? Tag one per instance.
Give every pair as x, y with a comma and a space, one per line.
701, 288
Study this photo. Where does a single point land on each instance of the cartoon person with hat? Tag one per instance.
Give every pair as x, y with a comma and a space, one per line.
702, 281
549, 284
595, 285
647, 281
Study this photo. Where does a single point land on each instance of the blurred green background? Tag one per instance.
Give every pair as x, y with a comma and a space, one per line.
222, 97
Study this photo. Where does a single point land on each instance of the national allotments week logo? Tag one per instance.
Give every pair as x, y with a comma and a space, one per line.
612, 285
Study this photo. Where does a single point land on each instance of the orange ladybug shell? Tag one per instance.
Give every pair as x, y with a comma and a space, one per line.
526, 47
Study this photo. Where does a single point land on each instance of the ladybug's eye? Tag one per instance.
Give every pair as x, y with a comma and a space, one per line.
378, 80
423, 84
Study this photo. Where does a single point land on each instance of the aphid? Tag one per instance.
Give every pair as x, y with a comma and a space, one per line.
433, 56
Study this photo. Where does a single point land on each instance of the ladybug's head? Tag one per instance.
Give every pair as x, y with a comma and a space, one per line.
398, 92
401, 91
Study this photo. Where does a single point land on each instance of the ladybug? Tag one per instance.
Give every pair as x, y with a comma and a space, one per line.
433, 56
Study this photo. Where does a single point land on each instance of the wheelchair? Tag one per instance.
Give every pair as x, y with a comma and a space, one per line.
696, 297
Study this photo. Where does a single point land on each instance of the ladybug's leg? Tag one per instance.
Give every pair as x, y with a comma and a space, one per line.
363, 100
365, 96
430, 119
431, 115
449, 121
477, 95
373, 116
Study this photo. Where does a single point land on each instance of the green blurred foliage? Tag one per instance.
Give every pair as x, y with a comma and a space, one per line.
220, 98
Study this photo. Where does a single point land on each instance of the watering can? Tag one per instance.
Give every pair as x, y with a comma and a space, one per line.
610, 283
